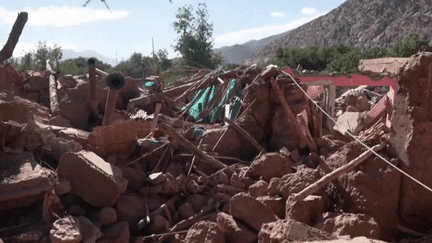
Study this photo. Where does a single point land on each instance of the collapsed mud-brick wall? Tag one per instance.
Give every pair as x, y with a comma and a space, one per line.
411, 138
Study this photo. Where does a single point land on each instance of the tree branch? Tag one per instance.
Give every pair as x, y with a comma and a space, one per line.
17, 28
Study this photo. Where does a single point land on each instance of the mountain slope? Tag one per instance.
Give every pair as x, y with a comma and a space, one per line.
361, 23
242, 52
70, 54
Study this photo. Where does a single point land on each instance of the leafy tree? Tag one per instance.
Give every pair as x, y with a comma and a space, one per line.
195, 37
44, 53
164, 62
26, 61
409, 46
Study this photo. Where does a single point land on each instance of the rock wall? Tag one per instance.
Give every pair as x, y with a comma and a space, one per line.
411, 138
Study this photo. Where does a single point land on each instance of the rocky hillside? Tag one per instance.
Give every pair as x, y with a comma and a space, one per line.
361, 23
240, 53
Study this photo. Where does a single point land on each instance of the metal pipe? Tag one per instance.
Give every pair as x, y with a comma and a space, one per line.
115, 82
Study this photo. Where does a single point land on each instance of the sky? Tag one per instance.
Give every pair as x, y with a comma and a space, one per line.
130, 25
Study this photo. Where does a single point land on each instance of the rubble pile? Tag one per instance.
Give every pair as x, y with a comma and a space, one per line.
237, 156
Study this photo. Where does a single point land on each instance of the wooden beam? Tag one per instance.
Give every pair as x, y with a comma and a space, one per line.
199, 154
7, 50
335, 174
291, 117
244, 134
54, 105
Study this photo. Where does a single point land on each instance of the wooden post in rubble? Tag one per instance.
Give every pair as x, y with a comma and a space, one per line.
92, 81
14, 35
309, 142
336, 173
54, 105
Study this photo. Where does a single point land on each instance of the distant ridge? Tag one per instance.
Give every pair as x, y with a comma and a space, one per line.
71, 54
242, 52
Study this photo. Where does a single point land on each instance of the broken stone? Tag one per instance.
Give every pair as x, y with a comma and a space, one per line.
22, 180
410, 138
90, 233
289, 230
59, 121
130, 208
269, 71
271, 165
204, 231
135, 176
20, 110
307, 211
258, 189
93, 179
76, 210
365, 185
66, 230
276, 204
157, 178
251, 211
159, 224
348, 121
235, 231
107, 216
117, 233
295, 182
353, 225
185, 211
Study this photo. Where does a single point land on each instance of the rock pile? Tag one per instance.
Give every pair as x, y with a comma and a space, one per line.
188, 180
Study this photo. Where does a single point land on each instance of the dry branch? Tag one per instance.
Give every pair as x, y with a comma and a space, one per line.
201, 156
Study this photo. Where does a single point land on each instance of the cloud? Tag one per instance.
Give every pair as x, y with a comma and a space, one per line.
308, 11
61, 16
243, 36
277, 15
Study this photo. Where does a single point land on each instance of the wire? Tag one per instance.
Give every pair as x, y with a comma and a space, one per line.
349, 133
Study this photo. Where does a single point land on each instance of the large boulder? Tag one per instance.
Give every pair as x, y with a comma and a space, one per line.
353, 225
289, 230
234, 230
411, 138
96, 181
252, 212
271, 165
22, 180
204, 231
373, 188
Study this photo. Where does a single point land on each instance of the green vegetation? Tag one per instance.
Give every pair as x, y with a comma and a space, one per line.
195, 37
343, 58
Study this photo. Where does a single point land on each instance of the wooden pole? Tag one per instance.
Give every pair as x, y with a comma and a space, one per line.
244, 134
7, 50
291, 117
92, 81
335, 174
199, 154
54, 106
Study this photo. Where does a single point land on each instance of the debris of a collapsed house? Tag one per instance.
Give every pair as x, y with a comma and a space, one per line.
238, 156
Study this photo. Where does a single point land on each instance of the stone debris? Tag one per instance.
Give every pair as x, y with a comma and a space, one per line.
220, 161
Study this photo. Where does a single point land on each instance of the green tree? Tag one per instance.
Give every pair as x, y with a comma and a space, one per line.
408, 46
164, 63
26, 61
195, 37
44, 53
